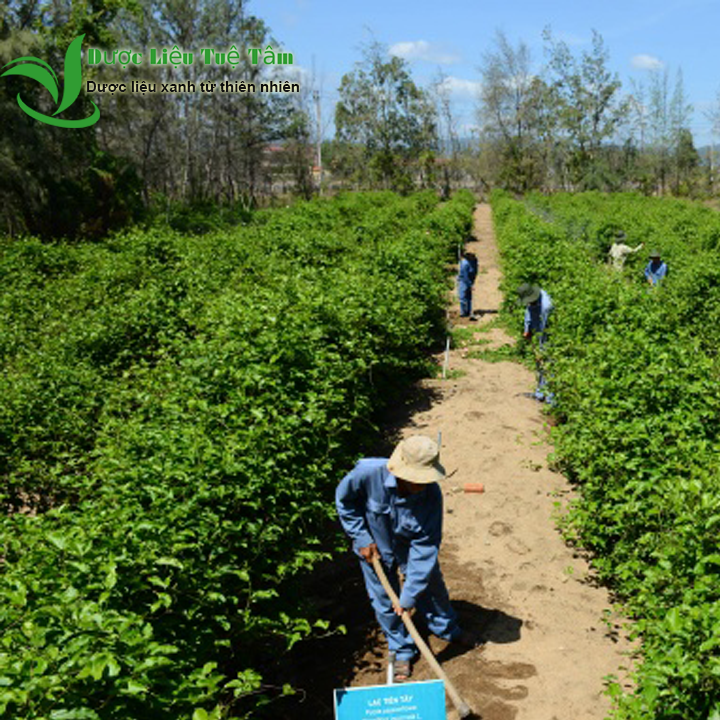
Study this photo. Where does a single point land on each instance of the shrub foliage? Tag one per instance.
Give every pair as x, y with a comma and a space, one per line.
635, 371
176, 412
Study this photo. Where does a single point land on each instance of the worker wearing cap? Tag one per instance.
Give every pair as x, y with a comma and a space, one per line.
656, 269
392, 509
466, 277
619, 251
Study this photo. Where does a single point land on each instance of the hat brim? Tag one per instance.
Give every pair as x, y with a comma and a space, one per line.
421, 475
530, 297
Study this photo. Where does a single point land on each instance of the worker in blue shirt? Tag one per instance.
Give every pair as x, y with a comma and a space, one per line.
538, 307
656, 269
392, 510
466, 278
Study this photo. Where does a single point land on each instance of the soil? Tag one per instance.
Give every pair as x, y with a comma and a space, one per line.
551, 633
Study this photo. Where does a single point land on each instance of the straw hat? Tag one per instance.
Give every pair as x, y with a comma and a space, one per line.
417, 459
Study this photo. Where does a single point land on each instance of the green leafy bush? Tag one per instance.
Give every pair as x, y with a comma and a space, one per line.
177, 411
635, 373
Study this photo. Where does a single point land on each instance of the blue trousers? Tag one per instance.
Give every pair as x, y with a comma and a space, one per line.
433, 606
465, 295
541, 393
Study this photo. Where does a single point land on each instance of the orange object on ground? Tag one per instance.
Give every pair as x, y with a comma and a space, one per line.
474, 488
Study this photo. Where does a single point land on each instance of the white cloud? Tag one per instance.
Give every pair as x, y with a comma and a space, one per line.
458, 86
423, 50
647, 62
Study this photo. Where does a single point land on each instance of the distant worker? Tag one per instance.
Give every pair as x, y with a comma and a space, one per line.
392, 510
466, 278
620, 251
656, 269
538, 307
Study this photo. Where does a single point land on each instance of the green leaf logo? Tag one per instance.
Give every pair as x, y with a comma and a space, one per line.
40, 71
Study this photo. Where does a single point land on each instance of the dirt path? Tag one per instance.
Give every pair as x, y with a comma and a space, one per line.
509, 573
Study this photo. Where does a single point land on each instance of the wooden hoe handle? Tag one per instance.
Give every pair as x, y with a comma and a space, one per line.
461, 706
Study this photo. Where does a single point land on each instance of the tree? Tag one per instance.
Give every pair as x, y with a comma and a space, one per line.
713, 114
54, 182
510, 107
589, 110
193, 147
447, 134
686, 161
199, 147
668, 116
384, 122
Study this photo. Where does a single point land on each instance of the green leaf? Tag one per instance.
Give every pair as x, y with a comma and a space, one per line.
170, 561
59, 541
134, 688
74, 714
162, 600
674, 620
113, 666
70, 595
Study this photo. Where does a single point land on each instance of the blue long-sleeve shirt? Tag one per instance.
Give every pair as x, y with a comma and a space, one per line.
468, 272
655, 271
371, 510
537, 314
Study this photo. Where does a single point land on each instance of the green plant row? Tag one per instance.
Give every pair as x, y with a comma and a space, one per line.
176, 413
635, 373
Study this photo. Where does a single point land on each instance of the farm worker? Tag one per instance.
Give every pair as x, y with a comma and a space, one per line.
538, 307
656, 269
392, 510
619, 251
466, 278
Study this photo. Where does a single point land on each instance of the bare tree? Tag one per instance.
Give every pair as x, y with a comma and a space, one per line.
448, 135
508, 112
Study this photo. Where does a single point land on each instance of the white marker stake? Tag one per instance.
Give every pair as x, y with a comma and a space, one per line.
447, 357
391, 668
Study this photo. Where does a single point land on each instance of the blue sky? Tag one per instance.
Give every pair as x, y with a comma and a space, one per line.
451, 36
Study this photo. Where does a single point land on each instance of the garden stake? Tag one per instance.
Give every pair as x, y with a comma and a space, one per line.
391, 669
447, 357
460, 705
